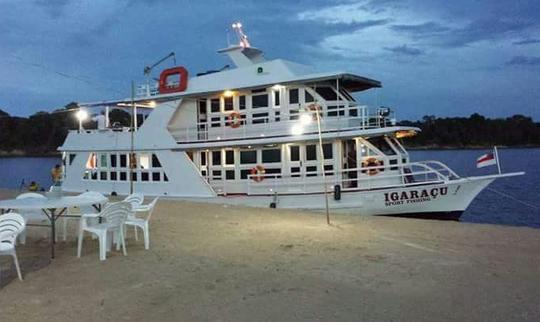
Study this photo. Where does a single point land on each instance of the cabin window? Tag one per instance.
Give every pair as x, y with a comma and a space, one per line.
327, 93
242, 102
216, 157
228, 104
311, 171
295, 152
346, 95
165, 178
381, 144
329, 170
114, 176
258, 101
294, 115
123, 160
293, 96
270, 156
295, 172
229, 175
248, 157
335, 110
393, 162
123, 176
93, 175
273, 173
259, 118
277, 98
216, 175
244, 174
144, 161
202, 106
134, 176
103, 160
229, 157
113, 161
71, 158
203, 158
156, 176
103, 175
145, 176
311, 152
276, 116
155, 162
327, 151
214, 105
308, 97
216, 122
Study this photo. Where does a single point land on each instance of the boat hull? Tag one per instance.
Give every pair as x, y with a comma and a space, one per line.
445, 201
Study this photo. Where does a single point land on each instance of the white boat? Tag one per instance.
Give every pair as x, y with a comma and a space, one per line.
251, 135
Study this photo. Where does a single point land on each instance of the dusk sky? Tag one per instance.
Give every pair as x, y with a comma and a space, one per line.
444, 58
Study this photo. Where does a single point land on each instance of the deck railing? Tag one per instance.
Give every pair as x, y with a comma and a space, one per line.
387, 176
343, 118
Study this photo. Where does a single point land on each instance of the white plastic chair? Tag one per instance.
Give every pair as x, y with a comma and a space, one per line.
136, 200
114, 216
82, 210
30, 215
11, 225
142, 223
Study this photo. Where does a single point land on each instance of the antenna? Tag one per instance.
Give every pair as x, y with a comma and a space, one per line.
242, 37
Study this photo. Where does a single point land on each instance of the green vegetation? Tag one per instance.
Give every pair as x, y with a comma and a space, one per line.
474, 131
43, 132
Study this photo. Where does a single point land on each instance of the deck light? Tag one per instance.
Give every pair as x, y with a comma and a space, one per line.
81, 115
305, 118
297, 129
277, 87
152, 104
228, 93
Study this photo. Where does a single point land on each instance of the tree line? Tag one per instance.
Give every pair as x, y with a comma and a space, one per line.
474, 131
43, 132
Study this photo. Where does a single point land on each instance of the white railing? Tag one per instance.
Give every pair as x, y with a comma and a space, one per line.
266, 127
387, 176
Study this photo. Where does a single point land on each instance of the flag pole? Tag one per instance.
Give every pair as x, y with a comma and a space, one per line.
497, 158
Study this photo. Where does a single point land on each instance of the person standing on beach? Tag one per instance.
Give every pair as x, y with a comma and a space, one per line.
56, 174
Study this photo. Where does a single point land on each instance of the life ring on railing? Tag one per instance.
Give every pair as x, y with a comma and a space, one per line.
234, 120
371, 163
313, 109
257, 173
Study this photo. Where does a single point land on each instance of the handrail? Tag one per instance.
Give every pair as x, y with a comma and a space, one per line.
420, 173
262, 126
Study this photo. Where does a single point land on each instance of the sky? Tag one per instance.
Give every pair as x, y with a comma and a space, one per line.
438, 57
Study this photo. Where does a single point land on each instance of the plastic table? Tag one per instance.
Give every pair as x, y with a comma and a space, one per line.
53, 208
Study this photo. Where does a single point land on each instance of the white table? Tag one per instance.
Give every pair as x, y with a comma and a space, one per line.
53, 208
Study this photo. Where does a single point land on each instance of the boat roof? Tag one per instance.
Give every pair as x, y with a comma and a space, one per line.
266, 73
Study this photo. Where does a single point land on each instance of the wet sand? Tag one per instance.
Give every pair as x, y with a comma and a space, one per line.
226, 263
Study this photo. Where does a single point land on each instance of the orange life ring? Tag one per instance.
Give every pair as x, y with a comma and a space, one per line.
313, 109
234, 120
257, 173
371, 162
182, 75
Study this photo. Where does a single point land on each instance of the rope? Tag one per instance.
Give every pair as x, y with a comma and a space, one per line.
514, 198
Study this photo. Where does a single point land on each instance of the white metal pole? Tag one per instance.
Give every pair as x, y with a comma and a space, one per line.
322, 165
497, 158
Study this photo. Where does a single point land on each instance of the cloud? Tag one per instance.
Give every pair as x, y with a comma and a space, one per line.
405, 50
426, 28
524, 61
527, 41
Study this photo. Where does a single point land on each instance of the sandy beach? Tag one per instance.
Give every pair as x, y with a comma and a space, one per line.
227, 263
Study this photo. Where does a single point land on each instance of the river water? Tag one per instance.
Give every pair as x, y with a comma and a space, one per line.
508, 201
